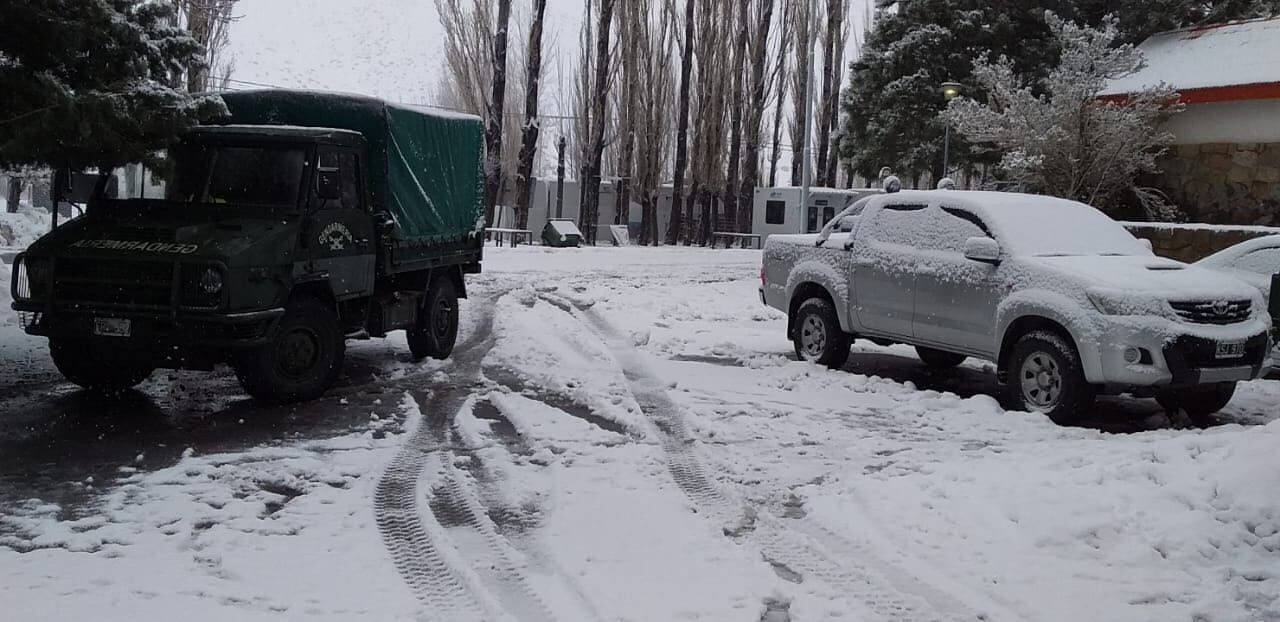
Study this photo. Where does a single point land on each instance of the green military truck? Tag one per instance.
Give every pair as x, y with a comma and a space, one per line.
306, 220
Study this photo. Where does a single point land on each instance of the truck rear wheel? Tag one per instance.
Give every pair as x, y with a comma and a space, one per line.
1046, 376
1198, 402
818, 337
939, 359
108, 370
437, 327
302, 359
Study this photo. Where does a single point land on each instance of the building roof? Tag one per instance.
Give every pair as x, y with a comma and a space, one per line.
1223, 62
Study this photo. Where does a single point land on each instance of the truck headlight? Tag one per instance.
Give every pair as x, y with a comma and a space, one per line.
1108, 303
202, 286
211, 281
32, 277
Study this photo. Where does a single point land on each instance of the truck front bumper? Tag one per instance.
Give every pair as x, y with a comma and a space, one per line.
159, 331
1180, 355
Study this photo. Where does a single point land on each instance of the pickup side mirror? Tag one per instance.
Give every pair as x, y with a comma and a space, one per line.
329, 184
982, 250
1146, 243
847, 224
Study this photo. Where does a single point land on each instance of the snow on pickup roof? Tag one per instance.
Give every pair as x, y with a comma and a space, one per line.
1032, 224
1233, 54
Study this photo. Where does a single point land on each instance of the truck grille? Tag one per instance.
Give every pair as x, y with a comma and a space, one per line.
98, 281
1214, 311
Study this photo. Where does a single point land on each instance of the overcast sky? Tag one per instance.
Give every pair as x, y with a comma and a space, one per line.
384, 48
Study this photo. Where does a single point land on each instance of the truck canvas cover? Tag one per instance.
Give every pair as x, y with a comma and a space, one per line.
425, 166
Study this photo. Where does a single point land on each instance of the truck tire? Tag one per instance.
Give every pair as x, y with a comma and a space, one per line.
939, 359
1198, 402
437, 328
1046, 376
302, 358
818, 337
99, 369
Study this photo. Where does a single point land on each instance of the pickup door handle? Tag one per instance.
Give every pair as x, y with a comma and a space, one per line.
363, 243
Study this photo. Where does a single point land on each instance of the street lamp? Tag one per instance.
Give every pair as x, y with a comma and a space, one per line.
949, 92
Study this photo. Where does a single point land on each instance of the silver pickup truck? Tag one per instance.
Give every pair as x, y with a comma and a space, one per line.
1064, 300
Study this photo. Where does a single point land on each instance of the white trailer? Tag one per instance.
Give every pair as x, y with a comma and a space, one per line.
778, 210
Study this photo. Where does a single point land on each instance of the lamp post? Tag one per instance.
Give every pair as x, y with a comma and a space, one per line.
949, 92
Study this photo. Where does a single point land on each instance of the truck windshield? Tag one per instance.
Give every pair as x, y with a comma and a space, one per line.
236, 174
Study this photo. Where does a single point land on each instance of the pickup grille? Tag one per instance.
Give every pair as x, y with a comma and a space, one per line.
1214, 312
98, 281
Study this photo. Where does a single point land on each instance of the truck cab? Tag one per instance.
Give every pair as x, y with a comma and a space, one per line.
264, 246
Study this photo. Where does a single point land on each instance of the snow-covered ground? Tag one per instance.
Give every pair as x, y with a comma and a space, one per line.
623, 435
21, 228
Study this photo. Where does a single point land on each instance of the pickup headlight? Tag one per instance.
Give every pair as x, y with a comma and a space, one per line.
1108, 303
32, 278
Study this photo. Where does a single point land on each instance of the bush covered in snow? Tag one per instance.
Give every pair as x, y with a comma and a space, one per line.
20, 229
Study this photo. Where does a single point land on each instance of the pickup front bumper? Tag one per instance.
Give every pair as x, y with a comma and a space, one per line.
1188, 356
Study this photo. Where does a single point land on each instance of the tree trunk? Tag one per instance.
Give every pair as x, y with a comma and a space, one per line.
735, 115
801, 127
779, 75
682, 127
830, 40
600, 104
755, 114
14, 195
493, 122
829, 137
529, 135
560, 177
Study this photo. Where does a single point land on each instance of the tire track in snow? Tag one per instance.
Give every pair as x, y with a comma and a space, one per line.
423, 551
781, 546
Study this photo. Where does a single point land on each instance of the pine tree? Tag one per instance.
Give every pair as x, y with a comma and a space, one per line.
65, 107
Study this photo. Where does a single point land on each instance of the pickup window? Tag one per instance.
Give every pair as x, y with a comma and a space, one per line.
898, 224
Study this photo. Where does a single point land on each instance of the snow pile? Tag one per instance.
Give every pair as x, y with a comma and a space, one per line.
20, 229
7, 316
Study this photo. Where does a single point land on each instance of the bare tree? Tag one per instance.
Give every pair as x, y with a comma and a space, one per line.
782, 62
800, 86
494, 117
599, 108
653, 106
737, 95
833, 132
682, 127
756, 97
832, 55
209, 23
529, 137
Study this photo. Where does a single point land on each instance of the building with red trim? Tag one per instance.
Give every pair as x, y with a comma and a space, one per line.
1224, 166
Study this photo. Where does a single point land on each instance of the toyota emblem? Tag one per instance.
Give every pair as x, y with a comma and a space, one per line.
1221, 307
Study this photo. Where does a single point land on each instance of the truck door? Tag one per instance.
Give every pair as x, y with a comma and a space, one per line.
883, 274
956, 298
341, 229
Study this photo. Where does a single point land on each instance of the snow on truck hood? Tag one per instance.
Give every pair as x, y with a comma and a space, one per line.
1149, 274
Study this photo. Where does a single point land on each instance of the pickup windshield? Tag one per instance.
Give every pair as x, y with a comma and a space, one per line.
1058, 230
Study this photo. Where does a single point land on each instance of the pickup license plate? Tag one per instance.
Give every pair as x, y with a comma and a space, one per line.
112, 327
1229, 350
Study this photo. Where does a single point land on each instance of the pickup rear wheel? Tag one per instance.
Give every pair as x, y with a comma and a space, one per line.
437, 327
108, 370
1046, 376
939, 359
818, 337
302, 359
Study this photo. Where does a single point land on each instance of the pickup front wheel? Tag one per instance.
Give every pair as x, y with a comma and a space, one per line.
1198, 402
818, 337
301, 360
109, 370
1046, 376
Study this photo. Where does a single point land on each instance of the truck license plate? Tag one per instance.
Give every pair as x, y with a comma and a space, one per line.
1230, 350
112, 327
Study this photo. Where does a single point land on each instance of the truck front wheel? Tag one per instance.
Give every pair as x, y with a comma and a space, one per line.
818, 337
302, 359
108, 370
437, 327
1046, 376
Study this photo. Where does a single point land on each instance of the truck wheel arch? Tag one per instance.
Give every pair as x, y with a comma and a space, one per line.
1022, 326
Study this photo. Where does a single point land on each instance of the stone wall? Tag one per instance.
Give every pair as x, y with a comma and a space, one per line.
1224, 183
1193, 242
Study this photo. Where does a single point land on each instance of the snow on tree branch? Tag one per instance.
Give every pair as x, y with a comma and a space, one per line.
1058, 137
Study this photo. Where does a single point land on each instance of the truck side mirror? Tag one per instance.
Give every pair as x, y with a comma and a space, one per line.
329, 184
384, 222
982, 250
1146, 243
